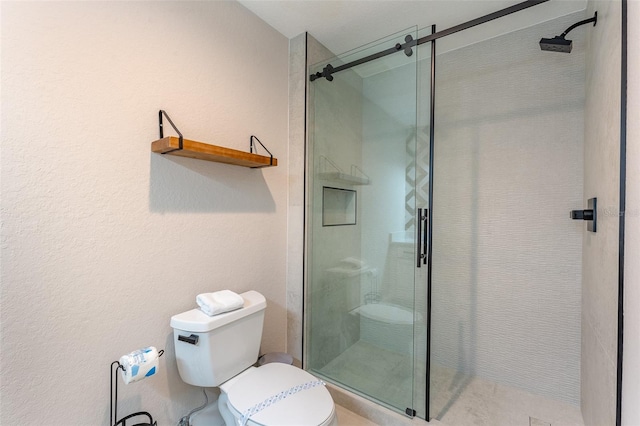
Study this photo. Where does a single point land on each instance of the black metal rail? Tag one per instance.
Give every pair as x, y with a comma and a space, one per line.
328, 71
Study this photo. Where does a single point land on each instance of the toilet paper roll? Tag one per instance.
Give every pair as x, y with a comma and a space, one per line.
139, 364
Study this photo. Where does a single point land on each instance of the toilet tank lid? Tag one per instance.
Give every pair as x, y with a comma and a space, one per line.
197, 321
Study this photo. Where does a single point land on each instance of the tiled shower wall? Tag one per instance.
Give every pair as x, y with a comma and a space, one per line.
600, 250
631, 381
507, 170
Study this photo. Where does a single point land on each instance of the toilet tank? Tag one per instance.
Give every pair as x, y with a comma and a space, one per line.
211, 350
344, 284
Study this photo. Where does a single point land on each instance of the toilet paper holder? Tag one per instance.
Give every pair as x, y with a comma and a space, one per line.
113, 405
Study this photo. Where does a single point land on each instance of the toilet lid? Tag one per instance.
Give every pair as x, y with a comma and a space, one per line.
310, 406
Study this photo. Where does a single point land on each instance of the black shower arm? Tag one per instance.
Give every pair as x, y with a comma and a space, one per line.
594, 19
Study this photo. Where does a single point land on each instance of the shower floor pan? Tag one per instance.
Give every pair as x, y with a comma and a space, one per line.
457, 399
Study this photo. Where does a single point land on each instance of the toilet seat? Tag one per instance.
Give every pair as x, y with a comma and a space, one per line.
311, 406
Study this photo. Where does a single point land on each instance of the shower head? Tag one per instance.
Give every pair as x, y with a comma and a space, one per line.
556, 44
559, 43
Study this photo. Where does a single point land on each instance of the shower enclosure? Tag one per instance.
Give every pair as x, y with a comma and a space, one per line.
443, 273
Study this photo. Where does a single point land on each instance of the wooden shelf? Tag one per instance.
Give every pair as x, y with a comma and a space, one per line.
204, 151
345, 178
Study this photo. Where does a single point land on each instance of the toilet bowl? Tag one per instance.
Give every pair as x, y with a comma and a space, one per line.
389, 326
276, 394
220, 351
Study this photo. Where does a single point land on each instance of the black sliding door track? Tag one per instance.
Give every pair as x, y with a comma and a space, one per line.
406, 47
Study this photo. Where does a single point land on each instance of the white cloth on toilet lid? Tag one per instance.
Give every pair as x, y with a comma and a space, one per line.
310, 407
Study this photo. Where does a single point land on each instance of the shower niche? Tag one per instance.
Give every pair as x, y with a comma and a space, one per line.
339, 206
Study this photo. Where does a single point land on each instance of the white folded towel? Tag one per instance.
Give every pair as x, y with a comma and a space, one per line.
219, 302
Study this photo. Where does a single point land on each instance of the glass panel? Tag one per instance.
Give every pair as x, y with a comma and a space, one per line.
506, 271
360, 277
421, 194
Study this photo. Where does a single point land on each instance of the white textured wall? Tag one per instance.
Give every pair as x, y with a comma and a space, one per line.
600, 249
631, 368
507, 171
102, 241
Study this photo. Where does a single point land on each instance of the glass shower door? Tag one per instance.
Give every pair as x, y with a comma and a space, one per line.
361, 226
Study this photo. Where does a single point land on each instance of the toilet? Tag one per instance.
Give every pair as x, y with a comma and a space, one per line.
220, 351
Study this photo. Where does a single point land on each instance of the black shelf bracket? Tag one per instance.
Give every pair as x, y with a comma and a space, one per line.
253, 150
160, 114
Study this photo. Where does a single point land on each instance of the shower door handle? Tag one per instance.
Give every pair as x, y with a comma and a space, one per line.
423, 227
425, 236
